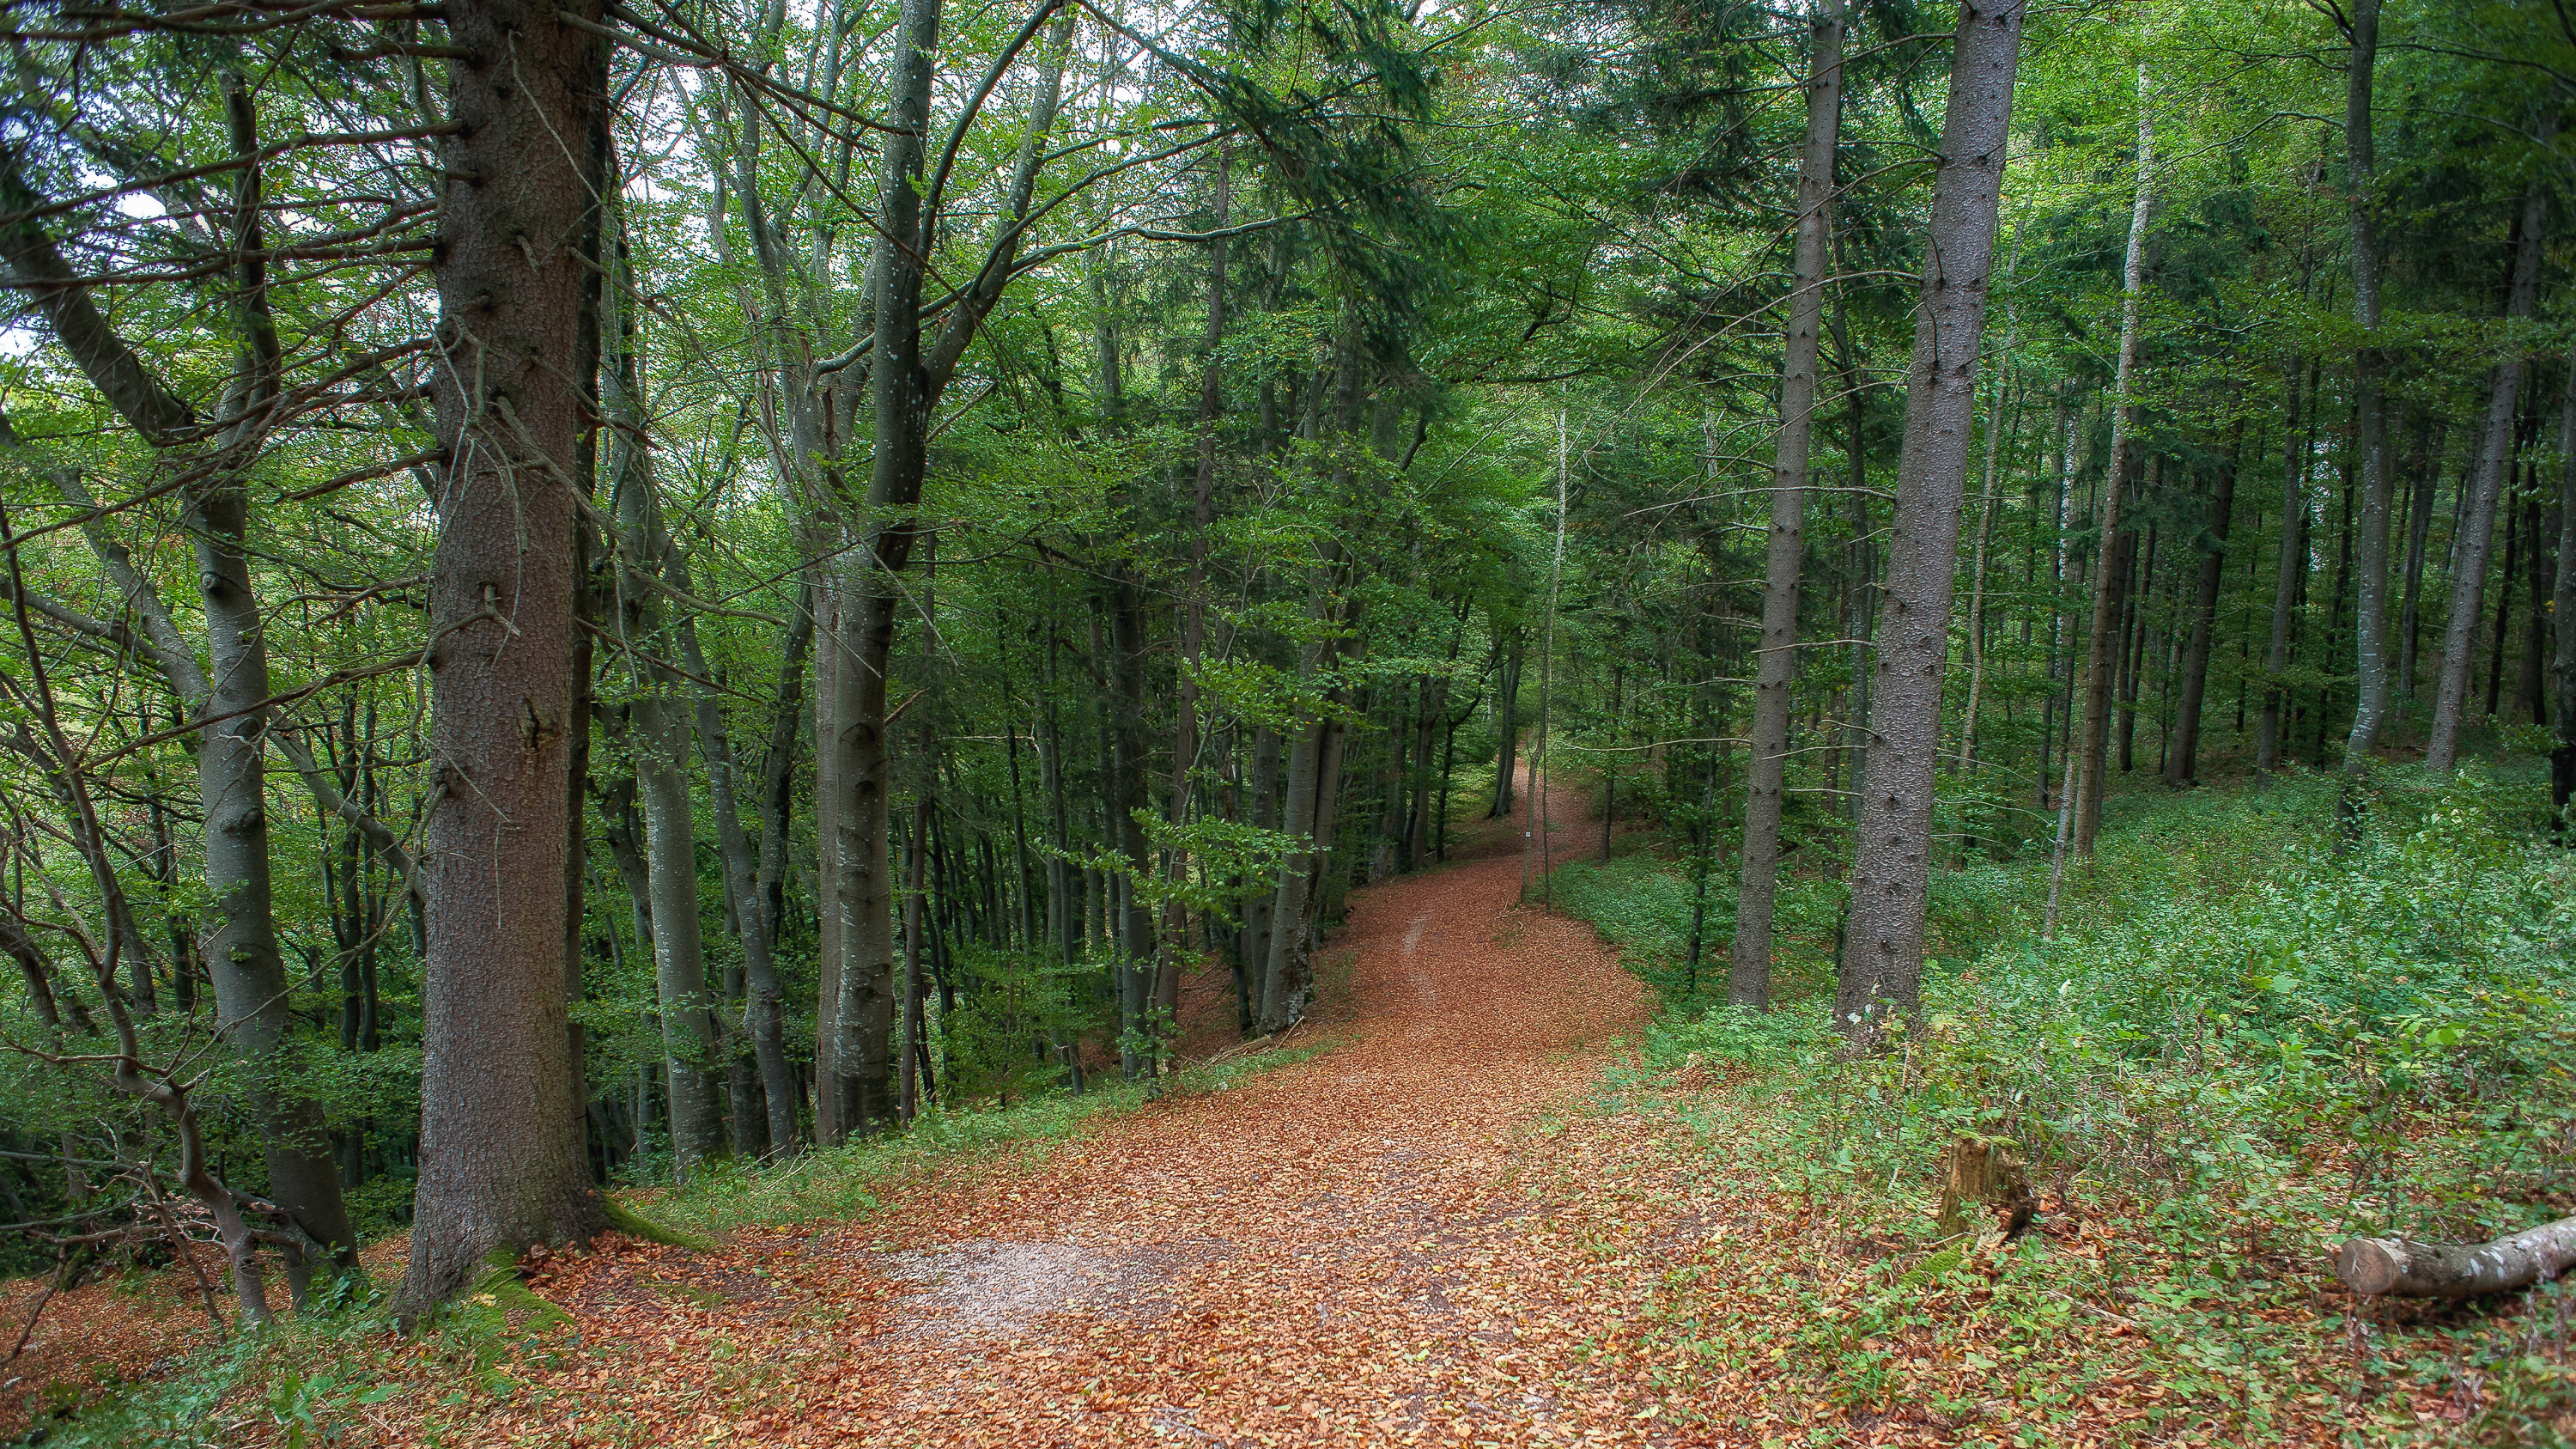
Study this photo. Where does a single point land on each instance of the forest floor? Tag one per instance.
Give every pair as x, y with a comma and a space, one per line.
1407, 1239
1471, 1219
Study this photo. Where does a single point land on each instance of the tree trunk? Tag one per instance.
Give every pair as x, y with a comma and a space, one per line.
2124, 411
2419, 528
2370, 598
863, 894
1507, 697
501, 1161
2373, 1266
2495, 457
1129, 795
2293, 570
1882, 970
747, 875
660, 744
242, 954
824, 597
2562, 664
1977, 573
1748, 982
2182, 757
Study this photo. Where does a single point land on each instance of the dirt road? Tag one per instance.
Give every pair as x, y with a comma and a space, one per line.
1395, 1242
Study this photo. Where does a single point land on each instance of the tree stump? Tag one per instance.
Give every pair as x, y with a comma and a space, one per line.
1977, 1169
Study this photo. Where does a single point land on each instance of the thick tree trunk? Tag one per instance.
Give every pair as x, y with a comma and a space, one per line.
661, 741
2093, 753
2495, 457
501, 1160
2370, 597
1748, 982
2182, 756
1882, 969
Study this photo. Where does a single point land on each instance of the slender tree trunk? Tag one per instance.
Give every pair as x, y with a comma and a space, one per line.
748, 874
1775, 669
2182, 756
661, 745
1259, 904
501, 1160
2562, 665
2293, 569
1977, 575
1507, 697
2502, 633
824, 597
2495, 457
242, 951
2419, 528
2124, 410
2370, 598
1882, 969
864, 1013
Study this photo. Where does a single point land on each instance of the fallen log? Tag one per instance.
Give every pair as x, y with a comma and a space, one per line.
2373, 1266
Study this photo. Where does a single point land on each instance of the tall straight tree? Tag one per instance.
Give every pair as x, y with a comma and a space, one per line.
502, 1165
2182, 754
1748, 982
2562, 662
2370, 596
2099, 663
1882, 967
910, 371
2495, 461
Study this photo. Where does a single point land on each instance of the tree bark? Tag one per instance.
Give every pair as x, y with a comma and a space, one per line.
2495, 457
2093, 756
501, 1160
1882, 969
2182, 757
2419, 528
1748, 980
747, 873
2293, 569
660, 742
2370, 597
2562, 664
2375, 1266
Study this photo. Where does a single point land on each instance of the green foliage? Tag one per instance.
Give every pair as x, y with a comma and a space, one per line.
2243, 1047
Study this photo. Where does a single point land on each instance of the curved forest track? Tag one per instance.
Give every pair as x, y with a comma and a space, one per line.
1397, 1241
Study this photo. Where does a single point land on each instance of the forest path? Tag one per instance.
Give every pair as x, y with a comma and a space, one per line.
1390, 1243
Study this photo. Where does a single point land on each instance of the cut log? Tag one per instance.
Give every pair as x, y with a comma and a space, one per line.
2373, 1266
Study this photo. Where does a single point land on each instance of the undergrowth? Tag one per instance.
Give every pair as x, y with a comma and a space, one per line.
2243, 1046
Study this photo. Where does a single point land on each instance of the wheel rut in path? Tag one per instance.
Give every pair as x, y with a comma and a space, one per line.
1362, 1248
